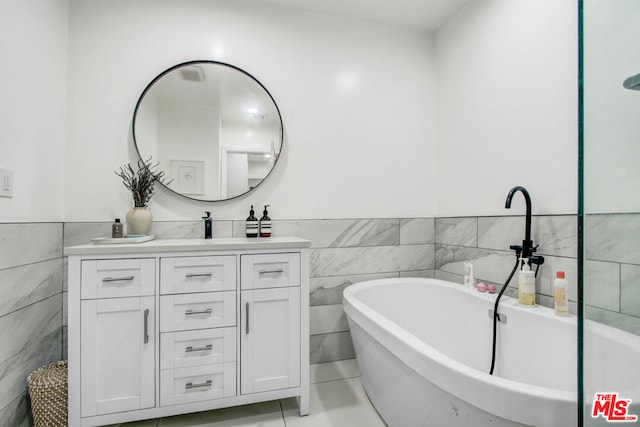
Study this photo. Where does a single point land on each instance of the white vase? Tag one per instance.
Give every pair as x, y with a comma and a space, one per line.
139, 220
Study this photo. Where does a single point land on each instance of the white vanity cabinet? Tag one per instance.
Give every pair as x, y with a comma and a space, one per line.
169, 327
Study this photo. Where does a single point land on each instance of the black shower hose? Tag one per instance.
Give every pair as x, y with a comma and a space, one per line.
495, 313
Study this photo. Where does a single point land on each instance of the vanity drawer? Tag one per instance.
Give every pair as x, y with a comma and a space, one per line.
196, 348
197, 274
118, 278
270, 270
197, 311
198, 383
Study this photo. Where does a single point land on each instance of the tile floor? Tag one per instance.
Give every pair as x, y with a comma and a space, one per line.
337, 400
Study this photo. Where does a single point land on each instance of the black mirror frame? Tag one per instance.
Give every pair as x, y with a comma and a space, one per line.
196, 62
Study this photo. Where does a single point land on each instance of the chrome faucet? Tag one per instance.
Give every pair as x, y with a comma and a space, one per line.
527, 249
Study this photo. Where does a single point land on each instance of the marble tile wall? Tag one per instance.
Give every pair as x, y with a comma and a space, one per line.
31, 271
350, 251
485, 241
612, 270
611, 266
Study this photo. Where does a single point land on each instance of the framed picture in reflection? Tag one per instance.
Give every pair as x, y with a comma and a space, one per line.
188, 176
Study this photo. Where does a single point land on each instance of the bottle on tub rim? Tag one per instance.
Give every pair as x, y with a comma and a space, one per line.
560, 295
526, 286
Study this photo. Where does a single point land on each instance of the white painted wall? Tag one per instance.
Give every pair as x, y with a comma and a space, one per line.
507, 107
357, 100
612, 113
351, 129
32, 107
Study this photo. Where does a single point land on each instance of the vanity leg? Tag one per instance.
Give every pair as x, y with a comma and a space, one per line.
303, 404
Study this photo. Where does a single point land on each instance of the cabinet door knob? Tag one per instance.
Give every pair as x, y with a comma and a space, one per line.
118, 279
192, 312
189, 386
205, 348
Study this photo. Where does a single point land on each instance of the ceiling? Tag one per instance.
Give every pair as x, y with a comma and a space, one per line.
418, 14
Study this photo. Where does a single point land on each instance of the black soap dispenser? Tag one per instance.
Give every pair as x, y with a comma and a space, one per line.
265, 223
208, 225
251, 227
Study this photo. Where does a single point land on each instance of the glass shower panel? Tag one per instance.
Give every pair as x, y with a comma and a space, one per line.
611, 207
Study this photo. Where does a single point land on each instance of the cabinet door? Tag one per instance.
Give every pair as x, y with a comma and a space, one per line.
270, 339
117, 360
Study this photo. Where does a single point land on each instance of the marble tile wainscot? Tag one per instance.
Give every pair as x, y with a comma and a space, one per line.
485, 241
351, 251
612, 270
31, 271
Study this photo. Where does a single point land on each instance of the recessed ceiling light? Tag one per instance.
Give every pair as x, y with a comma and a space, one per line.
253, 110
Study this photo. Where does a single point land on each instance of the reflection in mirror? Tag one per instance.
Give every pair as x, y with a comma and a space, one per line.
213, 128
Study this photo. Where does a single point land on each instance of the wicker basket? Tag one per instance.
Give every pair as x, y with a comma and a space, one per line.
48, 391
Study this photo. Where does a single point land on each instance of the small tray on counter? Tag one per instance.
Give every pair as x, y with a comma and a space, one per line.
121, 240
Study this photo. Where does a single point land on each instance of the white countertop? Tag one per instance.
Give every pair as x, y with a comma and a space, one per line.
191, 245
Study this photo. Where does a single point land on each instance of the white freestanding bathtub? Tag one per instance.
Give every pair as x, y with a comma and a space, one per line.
424, 350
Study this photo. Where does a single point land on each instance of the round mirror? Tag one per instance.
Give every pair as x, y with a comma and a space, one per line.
213, 128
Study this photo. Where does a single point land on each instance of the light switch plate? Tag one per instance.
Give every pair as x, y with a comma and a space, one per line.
6, 183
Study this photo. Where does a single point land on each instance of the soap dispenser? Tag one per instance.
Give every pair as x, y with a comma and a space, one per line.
526, 286
265, 223
251, 227
208, 225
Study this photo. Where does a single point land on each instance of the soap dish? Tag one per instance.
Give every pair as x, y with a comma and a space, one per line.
119, 240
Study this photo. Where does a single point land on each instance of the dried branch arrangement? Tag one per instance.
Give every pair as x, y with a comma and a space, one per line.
141, 182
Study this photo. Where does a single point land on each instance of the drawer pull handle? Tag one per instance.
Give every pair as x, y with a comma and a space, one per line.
277, 270
146, 326
118, 279
192, 312
189, 386
188, 275
205, 348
